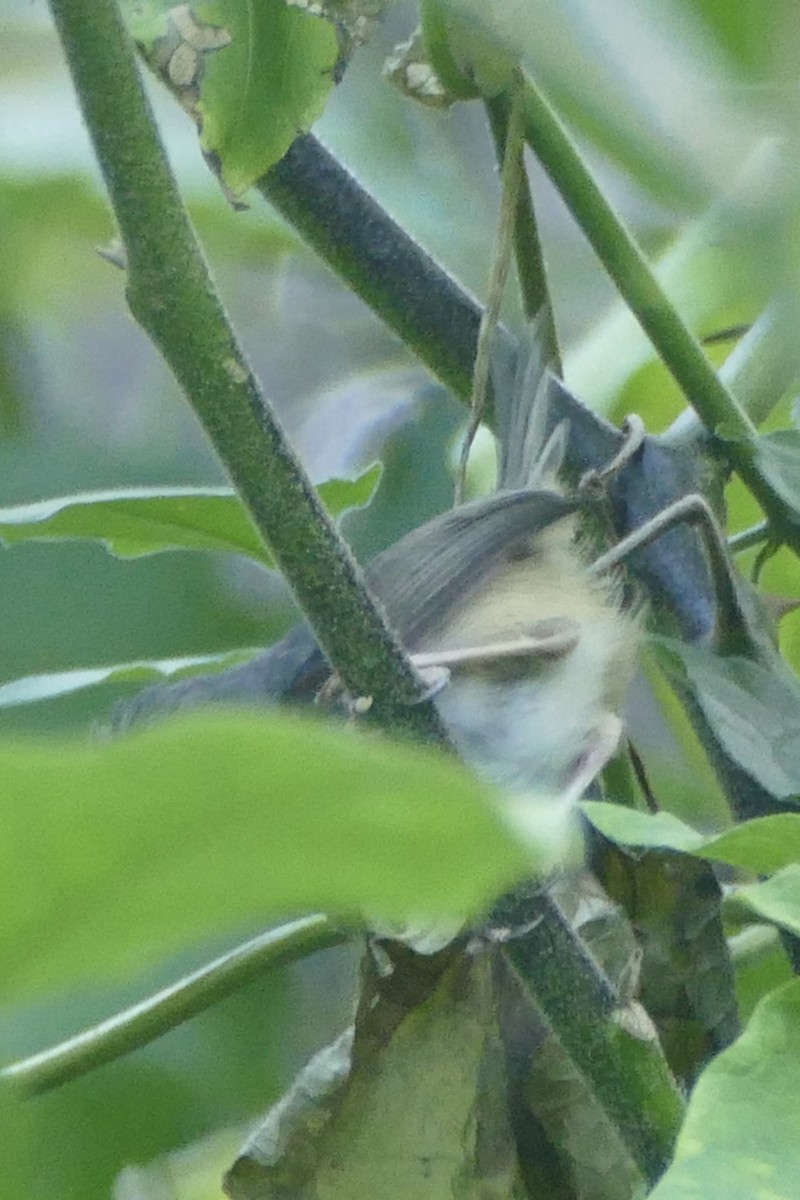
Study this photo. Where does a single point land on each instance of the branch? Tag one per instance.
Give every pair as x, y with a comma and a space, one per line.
171, 294
759, 371
151, 1018
381, 263
531, 270
624, 1066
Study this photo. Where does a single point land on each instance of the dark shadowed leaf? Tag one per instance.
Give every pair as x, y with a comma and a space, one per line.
753, 712
344, 1125
778, 456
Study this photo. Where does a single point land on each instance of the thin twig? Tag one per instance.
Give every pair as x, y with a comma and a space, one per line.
501, 261
159, 1014
531, 270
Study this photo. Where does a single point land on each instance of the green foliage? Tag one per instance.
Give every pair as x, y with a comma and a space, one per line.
776, 899
753, 710
739, 1139
211, 822
116, 857
779, 458
135, 522
253, 74
763, 845
31, 689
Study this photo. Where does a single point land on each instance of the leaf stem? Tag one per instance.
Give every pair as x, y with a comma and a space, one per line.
748, 538
167, 1009
760, 370
171, 294
512, 171
531, 270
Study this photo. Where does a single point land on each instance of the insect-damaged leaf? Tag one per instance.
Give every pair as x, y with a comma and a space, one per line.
254, 74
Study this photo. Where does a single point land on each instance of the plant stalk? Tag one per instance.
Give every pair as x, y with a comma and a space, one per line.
171, 294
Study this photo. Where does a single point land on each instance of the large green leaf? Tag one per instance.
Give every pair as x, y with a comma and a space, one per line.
763, 845
740, 1136
631, 828
133, 522
113, 855
253, 73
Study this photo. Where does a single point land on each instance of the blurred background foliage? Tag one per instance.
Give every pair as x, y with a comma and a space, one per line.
688, 112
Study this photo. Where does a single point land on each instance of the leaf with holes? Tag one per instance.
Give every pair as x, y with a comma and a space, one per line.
254, 74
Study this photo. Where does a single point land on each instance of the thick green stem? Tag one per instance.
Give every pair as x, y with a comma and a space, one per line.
759, 371
623, 1064
166, 1010
171, 294
639, 287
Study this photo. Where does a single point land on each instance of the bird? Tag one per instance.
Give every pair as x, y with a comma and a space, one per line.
534, 649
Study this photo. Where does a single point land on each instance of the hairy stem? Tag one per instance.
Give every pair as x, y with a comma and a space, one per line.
623, 1065
171, 294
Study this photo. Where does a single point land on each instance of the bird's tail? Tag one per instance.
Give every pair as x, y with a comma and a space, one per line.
530, 448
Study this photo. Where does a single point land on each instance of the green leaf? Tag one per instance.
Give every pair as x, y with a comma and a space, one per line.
253, 73
739, 1138
31, 688
631, 828
116, 854
763, 845
777, 899
754, 713
134, 522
